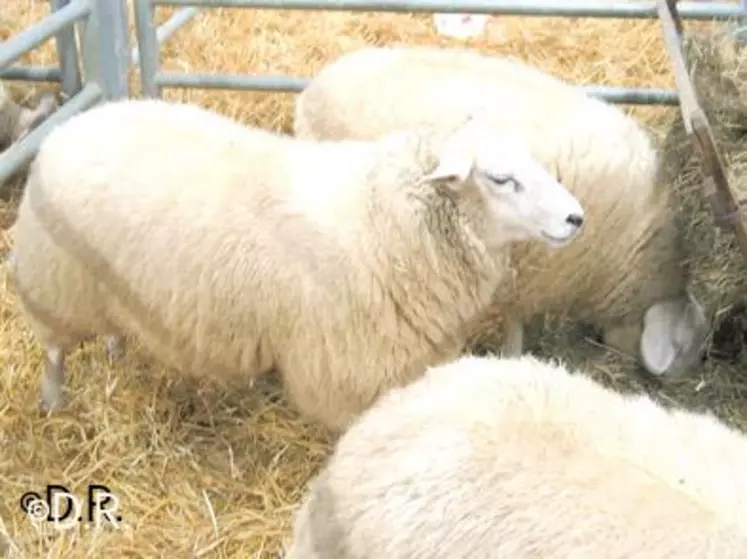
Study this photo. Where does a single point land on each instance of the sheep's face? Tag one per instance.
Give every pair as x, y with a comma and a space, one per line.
31, 119
519, 200
673, 335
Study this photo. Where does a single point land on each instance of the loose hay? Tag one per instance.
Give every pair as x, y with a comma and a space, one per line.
718, 268
204, 472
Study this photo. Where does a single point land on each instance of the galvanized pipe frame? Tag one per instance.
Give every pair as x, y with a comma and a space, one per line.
50, 74
545, 8
22, 152
65, 14
167, 29
12, 49
54, 74
107, 33
67, 73
153, 79
106, 61
67, 54
149, 52
294, 84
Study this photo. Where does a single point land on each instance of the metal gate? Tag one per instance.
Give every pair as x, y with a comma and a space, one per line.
153, 79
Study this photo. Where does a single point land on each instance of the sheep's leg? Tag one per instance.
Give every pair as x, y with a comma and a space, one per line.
115, 348
624, 337
514, 344
53, 378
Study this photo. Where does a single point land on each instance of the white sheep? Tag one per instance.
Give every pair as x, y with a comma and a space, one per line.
519, 458
624, 274
346, 267
459, 26
16, 121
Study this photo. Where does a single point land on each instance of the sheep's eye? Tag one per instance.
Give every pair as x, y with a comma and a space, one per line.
504, 180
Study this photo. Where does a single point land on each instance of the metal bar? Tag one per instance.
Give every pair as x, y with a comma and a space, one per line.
294, 84
106, 53
632, 96
597, 9
67, 53
167, 30
740, 32
21, 153
673, 8
32, 74
671, 30
147, 39
231, 81
724, 206
727, 210
12, 49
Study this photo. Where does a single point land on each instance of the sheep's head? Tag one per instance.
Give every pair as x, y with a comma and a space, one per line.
674, 331
516, 197
29, 119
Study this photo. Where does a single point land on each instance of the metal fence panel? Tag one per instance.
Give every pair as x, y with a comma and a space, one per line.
106, 48
40, 32
562, 8
293, 84
153, 79
149, 53
171, 26
106, 56
67, 53
106, 61
21, 153
32, 74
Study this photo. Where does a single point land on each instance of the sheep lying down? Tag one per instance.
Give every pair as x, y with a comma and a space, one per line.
624, 274
347, 267
521, 458
16, 121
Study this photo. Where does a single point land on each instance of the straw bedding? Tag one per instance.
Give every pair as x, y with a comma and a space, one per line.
202, 471
719, 270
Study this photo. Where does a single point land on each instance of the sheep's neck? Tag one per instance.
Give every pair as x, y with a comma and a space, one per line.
430, 263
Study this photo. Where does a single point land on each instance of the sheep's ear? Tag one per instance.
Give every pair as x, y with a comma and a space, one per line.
657, 351
454, 162
453, 166
672, 331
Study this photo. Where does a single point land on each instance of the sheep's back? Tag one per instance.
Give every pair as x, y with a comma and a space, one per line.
529, 458
171, 209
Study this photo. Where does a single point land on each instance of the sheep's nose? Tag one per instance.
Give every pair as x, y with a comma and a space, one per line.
575, 219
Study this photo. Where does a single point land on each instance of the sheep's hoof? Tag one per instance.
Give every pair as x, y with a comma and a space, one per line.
51, 402
51, 398
514, 342
115, 349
